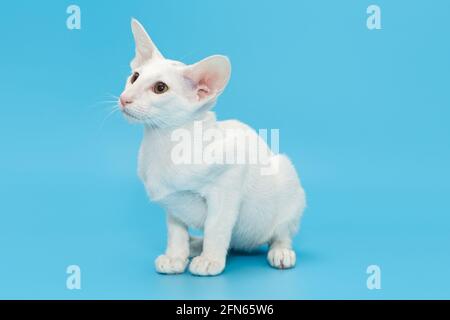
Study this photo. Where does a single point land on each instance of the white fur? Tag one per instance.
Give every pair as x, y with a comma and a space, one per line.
234, 205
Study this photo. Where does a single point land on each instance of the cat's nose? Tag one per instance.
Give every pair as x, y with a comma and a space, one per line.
124, 101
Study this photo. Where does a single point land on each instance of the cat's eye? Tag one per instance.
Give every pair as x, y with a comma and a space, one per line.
134, 77
160, 87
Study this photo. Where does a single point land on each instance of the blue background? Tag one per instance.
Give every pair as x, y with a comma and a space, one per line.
363, 114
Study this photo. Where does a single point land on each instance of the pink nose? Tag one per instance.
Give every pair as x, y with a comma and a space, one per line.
124, 101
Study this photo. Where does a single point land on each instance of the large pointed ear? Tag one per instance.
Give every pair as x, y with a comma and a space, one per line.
210, 76
145, 48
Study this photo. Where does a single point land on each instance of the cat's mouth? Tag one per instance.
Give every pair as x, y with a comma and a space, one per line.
130, 115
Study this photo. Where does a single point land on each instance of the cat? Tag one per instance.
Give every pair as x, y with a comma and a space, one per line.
236, 205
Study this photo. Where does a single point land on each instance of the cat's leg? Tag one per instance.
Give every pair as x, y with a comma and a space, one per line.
222, 212
281, 255
195, 246
291, 196
175, 260
183, 210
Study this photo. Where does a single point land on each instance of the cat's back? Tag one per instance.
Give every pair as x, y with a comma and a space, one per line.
233, 130
234, 124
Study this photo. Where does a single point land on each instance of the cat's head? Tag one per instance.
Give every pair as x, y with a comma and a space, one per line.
165, 93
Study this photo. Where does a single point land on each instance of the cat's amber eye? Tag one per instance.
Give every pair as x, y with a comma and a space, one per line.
160, 87
134, 77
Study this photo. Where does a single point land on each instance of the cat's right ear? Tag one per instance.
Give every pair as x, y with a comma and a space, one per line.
210, 76
145, 48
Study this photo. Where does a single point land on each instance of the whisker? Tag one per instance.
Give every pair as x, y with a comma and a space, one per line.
100, 104
110, 95
114, 110
108, 98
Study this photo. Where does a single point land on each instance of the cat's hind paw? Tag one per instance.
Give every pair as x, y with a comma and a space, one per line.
281, 258
170, 265
203, 266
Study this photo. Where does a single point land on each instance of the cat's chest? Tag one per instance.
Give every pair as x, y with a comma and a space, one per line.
154, 172
160, 175
161, 170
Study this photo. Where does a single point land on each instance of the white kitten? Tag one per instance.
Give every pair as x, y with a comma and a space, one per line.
234, 204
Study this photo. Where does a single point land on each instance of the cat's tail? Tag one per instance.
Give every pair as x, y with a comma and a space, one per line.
195, 246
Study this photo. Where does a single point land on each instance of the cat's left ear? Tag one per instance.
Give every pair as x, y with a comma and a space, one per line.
210, 76
145, 48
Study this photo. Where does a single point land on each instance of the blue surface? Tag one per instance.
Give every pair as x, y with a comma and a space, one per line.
363, 114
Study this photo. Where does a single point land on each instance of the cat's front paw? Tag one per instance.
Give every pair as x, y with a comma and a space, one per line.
281, 258
204, 266
170, 265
